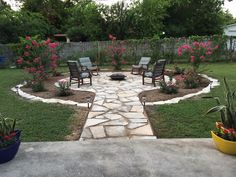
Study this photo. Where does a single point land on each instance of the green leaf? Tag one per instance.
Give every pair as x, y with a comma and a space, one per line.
216, 109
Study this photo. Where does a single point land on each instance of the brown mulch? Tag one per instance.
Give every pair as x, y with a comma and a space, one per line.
157, 95
51, 91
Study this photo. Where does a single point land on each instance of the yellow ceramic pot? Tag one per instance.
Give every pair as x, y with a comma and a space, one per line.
225, 146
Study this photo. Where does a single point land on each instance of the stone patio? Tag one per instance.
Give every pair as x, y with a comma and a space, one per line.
116, 111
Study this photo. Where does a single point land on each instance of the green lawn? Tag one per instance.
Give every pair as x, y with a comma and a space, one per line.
187, 118
38, 121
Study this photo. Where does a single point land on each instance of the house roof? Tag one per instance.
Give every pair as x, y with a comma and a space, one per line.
234, 24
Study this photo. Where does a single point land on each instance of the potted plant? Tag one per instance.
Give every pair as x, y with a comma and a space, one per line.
9, 139
225, 136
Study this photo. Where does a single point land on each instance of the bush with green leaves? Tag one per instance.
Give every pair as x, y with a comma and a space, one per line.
168, 87
191, 79
63, 88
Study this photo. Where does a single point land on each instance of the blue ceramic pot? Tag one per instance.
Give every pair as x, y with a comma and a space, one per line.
8, 153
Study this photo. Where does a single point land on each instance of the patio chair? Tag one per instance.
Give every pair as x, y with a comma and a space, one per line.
86, 63
77, 74
157, 73
142, 66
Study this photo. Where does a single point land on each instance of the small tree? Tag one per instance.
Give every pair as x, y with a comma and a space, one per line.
116, 51
197, 52
38, 58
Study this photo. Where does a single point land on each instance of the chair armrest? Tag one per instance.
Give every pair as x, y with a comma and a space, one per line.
84, 68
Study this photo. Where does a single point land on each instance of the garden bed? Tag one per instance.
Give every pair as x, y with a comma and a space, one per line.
157, 95
51, 92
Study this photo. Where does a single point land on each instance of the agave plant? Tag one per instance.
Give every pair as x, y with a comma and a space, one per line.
7, 131
227, 129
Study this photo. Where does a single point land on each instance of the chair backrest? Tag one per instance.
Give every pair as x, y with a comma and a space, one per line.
159, 68
144, 60
85, 61
74, 68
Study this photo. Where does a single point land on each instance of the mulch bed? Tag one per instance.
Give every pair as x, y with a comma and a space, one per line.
157, 95
51, 91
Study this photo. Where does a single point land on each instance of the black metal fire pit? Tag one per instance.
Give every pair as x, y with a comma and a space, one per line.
117, 76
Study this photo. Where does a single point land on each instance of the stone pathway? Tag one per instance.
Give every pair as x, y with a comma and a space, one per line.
116, 111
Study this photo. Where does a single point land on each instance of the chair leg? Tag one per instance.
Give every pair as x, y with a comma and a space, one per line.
78, 82
153, 81
143, 80
90, 80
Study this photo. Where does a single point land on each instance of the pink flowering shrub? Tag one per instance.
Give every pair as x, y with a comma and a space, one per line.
197, 52
116, 51
38, 58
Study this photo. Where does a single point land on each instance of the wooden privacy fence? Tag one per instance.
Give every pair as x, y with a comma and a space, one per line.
135, 49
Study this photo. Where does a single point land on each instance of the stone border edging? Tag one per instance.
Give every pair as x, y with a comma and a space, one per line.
18, 91
214, 83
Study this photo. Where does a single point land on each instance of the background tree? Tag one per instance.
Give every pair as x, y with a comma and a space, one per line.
191, 17
85, 22
149, 17
117, 19
14, 24
53, 10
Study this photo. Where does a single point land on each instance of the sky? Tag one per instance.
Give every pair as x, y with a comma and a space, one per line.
231, 6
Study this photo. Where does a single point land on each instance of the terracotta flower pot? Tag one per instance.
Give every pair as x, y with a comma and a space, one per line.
225, 146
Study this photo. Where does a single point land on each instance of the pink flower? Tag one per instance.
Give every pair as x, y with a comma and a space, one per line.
53, 45
208, 53
27, 46
196, 44
202, 57
26, 54
27, 37
180, 51
192, 59
20, 61
54, 57
34, 43
112, 37
48, 41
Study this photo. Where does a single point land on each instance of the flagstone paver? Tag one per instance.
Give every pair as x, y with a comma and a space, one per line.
117, 110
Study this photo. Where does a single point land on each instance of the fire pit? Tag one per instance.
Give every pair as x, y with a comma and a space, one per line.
117, 76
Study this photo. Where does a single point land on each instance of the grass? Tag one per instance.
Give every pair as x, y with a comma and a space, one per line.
187, 119
38, 121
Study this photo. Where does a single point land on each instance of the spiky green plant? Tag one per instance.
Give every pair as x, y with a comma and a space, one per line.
7, 131
228, 113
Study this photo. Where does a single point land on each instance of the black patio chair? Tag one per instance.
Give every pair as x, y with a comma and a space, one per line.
85, 62
142, 66
78, 75
157, 73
